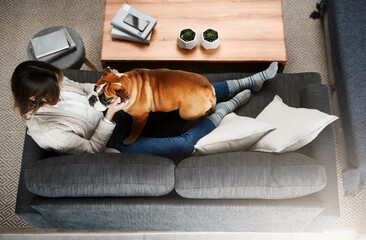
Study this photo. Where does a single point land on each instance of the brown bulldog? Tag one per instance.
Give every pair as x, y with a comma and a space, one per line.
161, 90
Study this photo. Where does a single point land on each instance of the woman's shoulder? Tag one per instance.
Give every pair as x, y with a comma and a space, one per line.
66, 82
73, 86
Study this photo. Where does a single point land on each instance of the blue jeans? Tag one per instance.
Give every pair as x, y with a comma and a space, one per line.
171, 147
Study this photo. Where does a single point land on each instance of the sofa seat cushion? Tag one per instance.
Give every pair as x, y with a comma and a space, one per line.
101, 175
249, 175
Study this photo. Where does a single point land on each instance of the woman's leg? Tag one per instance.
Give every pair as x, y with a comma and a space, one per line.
170, 147
229, 88
183, 145
221, 91
224, 108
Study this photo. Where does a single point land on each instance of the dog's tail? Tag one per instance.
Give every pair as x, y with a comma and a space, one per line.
210, 111
213, 103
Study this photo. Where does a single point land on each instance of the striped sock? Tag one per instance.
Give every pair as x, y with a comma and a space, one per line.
254, 82
224, 108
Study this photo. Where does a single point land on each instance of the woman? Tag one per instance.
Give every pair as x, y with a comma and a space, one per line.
59, 118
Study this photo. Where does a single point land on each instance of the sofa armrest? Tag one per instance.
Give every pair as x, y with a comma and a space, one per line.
100, 175
31, 153
315, 96
82, 76
322, 148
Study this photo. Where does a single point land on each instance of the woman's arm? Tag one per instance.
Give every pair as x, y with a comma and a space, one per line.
69, 142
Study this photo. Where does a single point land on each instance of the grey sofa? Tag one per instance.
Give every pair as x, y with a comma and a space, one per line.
345, 26
94, 192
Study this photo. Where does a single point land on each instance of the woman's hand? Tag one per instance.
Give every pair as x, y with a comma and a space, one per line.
116, 106
114, 71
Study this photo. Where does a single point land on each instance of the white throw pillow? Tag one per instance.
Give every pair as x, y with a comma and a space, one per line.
295, 127
235, 133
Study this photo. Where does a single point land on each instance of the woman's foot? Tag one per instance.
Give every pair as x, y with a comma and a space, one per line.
255, 82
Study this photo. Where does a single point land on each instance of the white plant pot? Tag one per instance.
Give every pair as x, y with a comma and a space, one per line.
187, 44
210, 45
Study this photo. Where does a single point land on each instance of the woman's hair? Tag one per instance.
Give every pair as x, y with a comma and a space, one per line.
35, 84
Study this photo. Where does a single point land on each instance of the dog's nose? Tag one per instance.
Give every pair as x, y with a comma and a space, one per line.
92, 100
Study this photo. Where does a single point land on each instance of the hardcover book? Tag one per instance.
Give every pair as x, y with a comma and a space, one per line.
133, 21
56, 55
120, 35
50, 43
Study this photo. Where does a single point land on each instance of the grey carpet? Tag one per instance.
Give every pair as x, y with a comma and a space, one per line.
20, 20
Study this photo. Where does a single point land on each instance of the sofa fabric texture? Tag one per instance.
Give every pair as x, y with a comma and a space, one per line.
172, 213
347, 33
92, 175
73, 207
249, 175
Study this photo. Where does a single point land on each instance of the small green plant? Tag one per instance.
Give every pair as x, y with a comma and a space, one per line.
210, 35
187, 35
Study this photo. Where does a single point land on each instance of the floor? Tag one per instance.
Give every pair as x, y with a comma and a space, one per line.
334, 235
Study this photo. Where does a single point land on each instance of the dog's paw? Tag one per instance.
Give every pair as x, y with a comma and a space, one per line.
129, 140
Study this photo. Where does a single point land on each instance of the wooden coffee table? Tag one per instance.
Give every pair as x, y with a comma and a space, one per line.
251, 32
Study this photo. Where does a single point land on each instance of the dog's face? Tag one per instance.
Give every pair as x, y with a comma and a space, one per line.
107, 90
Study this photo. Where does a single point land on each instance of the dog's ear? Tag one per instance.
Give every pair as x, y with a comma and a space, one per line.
122, 94
106, 71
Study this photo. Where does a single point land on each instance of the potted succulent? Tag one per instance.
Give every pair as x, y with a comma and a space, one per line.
187, 38
210, 38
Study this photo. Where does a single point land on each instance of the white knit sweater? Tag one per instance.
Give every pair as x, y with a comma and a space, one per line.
67, 132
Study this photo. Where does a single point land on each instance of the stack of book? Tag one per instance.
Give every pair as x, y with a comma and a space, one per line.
53, 45
131, 24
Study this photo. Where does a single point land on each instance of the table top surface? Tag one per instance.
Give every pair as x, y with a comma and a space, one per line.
250, 30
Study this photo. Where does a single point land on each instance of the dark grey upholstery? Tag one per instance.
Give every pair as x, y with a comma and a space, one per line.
249, 175
347, 32
172, 212
74, 59
31, 153
105, 175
